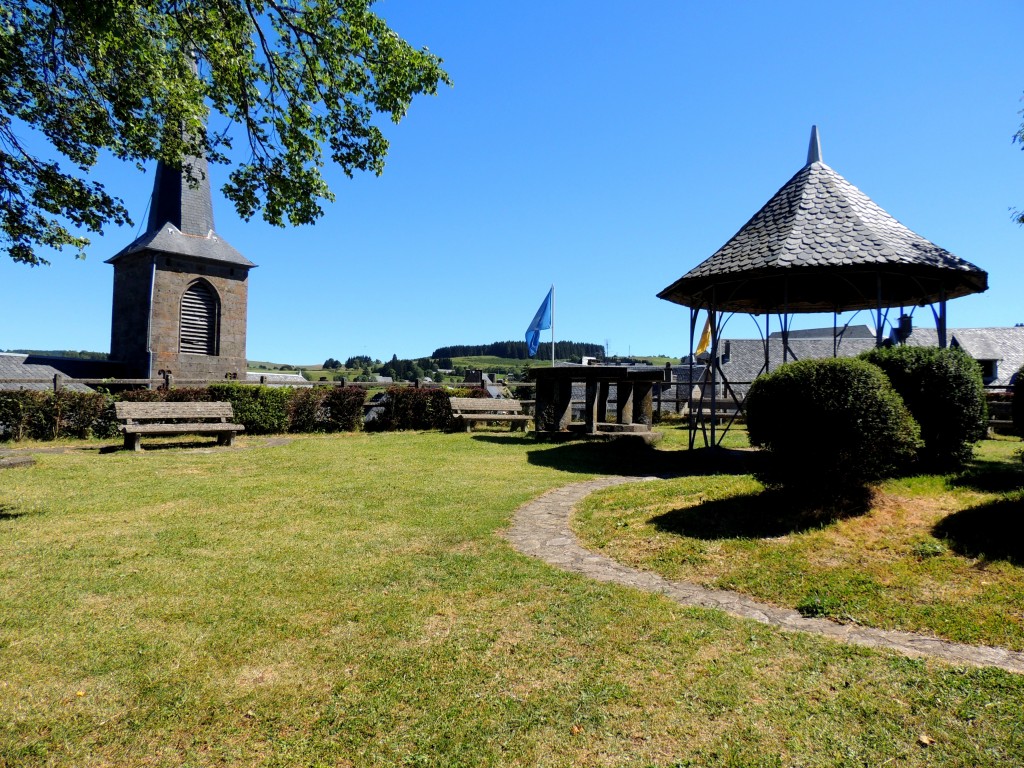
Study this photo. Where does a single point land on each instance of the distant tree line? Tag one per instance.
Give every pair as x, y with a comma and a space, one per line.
518, 350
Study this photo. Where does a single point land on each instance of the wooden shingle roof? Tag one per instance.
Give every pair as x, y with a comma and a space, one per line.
820, 244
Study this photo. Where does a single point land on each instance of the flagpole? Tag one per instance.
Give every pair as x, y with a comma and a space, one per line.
552, 325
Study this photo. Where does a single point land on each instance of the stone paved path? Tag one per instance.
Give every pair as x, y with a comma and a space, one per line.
540, 528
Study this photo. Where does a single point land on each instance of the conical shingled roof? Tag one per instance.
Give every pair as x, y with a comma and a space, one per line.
181, 219
820, 244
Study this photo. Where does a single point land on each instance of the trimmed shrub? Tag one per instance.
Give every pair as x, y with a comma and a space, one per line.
263, 410
326, 409
306, 410
945, 393
19, 412
184, 395
413, 408
345, 408
829, 426
51, 415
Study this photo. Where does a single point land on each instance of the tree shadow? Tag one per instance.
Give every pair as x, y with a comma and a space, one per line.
767, 514
993, 531
991, 476
635, 458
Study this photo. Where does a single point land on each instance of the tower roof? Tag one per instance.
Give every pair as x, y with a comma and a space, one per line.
820, 244
181, 218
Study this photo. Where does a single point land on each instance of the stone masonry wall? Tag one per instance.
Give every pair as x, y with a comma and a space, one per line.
130, 314
131, 317
174, 275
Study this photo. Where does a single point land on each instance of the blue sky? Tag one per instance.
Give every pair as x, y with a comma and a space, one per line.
607, 149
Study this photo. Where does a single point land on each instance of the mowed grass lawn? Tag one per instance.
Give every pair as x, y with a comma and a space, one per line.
347, 601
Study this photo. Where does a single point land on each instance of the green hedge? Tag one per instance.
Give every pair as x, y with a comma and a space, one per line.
28, 414
263, 410
413, 408
945, 393
828, 426
327, 409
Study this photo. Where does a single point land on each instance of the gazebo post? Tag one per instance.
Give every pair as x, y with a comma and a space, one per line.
689, 389
835, 329
942, 319
714, 365
878, 310
785, 320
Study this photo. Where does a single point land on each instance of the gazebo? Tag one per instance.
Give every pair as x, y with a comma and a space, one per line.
820, 245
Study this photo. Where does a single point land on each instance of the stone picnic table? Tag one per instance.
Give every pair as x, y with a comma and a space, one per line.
633, 398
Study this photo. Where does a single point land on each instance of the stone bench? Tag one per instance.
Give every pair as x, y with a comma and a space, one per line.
175, 419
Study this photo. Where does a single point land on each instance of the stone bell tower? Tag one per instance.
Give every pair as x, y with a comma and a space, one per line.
180, 291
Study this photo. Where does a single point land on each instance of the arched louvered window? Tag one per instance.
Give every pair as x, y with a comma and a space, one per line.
199, 316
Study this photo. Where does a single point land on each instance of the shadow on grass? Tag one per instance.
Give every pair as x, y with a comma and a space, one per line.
767, 514
994, 531
632, 458
176, 445
991, 476
8, 512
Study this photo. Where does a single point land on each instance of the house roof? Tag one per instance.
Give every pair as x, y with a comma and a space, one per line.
743, 359
849, 332
181, 218
28, 367
1003, 345
276, 379
820, 244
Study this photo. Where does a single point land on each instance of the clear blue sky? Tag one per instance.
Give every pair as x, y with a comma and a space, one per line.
607, 148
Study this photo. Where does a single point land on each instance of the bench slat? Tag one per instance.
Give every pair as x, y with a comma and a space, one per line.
478, 404
495, 417
179, 429
219, 410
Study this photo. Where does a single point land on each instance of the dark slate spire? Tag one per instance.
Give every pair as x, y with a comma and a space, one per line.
814, 148
181, 218
175, 202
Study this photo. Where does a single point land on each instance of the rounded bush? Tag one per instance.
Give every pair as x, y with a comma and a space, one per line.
945, 393
829, 425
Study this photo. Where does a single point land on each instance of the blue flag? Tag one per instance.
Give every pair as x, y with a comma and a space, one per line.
541, 322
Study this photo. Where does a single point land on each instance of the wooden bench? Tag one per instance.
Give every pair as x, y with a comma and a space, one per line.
471, 409
175, 419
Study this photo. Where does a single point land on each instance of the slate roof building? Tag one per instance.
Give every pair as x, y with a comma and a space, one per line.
180, 291
1000, 351
37, 371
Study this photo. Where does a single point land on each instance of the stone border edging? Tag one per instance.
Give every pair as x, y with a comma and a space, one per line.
540, 528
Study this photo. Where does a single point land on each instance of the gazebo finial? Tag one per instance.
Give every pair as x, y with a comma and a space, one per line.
814, 148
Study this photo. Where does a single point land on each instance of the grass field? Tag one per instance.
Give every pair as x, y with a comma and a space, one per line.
347, 601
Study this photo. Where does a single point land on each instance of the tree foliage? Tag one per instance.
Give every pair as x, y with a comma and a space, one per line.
140, 79
1018, 137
